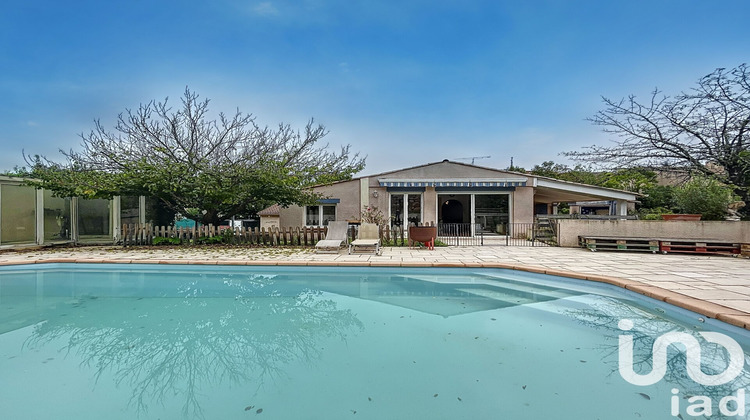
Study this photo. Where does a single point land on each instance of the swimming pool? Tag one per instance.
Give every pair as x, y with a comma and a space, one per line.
125, 341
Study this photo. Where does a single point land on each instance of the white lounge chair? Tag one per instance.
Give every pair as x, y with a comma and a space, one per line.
368, 237
336, 237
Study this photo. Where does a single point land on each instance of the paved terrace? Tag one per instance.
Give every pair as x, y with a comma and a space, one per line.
714, 286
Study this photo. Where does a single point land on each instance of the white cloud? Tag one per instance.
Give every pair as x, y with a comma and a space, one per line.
265, 8
31, 123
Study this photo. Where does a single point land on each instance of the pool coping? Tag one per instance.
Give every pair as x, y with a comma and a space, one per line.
722, 313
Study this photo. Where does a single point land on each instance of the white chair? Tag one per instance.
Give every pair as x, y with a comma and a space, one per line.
336, 237
368, 237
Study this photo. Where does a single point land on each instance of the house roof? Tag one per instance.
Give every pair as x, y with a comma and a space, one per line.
445, 161
12, 179
547, 189
273, 210
575, 191
382, 174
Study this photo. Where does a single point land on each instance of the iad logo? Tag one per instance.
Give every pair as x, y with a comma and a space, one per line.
693, 355
702, 405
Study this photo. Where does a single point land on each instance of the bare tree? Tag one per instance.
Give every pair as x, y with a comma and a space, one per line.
706, 130
191, 343
205, 169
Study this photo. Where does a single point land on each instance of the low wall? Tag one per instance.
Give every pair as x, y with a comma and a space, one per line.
570, 229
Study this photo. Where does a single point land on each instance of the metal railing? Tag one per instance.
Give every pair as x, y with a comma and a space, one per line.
539, 233
461, 234
530, 234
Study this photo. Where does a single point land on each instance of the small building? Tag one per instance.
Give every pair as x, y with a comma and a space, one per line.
449, 192
269, 217
30, 216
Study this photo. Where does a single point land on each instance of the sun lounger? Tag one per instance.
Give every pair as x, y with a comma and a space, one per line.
335, 237
368, 237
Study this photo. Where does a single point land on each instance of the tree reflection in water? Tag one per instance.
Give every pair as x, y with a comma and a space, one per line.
605, 314
174, 346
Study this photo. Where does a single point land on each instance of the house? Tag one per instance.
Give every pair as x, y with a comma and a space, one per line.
449, 192
442, 192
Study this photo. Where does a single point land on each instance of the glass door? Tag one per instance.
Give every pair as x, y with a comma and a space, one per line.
414, 208
17, 214
405, 209
491, 212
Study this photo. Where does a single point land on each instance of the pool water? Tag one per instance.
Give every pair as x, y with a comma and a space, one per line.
100, 341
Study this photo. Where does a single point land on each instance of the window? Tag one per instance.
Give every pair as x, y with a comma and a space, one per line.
56, 218
414, 208
17, 214
94, 220
397, 209
130, 207
406, 204
319, 215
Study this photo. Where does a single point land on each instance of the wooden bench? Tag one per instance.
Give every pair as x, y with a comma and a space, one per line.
607, 243
693, 246
699, 246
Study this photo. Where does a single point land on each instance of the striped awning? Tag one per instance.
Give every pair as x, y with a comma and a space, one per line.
458, 183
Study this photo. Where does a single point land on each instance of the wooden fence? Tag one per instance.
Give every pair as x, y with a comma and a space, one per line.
148, 234
512, 234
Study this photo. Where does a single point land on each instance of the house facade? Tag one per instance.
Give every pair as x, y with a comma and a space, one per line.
435, 193
449, 192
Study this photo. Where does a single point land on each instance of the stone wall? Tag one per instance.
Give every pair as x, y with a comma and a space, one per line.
570, 229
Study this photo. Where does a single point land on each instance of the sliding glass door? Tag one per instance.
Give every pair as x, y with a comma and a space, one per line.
491, 212
405, 209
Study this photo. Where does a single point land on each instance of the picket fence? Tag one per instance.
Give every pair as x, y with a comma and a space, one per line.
145, 234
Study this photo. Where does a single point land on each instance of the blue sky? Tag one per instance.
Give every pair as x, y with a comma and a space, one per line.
405, 83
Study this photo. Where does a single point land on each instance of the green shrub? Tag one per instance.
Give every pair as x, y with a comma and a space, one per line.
397, 243
394, 242
650, 216
657, 197
166, 241
227, 236
653, 213
705, 196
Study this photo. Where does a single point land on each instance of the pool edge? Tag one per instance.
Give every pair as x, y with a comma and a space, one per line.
708, 309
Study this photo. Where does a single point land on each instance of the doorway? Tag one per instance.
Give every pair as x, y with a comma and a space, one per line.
454, 208
452, 211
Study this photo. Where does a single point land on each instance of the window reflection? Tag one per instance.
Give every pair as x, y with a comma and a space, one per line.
56, 218
18, 214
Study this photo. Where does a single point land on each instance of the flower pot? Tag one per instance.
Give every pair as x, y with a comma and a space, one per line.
686, 217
